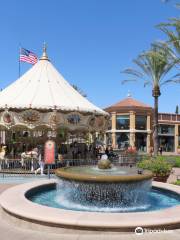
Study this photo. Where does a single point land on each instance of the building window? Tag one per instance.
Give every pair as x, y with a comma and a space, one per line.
122, 122
166, 129
141, 142
141, 122
167, 143
166, 137
109, 139
122, 140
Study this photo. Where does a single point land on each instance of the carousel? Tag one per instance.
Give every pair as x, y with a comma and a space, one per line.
42, 105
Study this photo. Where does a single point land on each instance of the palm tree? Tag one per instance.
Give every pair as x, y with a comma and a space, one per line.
79, 90
153, 67
172, 31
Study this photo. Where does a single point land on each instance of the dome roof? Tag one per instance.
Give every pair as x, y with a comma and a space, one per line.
128, 103
43, 87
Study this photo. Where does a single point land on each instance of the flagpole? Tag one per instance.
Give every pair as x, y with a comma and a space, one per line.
19, 61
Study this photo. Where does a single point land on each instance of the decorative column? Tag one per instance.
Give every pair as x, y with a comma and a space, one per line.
176, 138
113, 119
3, 137
93, 136
132, 128
148, 133
105, 139
90, 137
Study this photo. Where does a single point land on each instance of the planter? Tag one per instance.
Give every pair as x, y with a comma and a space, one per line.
178, 151
161, 169
160, 178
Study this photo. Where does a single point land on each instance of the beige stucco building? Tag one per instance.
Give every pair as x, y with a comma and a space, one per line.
132, 125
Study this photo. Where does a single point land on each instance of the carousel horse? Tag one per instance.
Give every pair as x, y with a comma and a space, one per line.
2, 156
29, 158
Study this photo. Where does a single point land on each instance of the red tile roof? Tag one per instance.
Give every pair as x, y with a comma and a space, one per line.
129, 103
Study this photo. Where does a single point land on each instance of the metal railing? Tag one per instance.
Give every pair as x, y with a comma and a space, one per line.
14, 167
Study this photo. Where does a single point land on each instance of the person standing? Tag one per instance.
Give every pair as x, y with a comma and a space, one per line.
160, 150
107, 151
41, 163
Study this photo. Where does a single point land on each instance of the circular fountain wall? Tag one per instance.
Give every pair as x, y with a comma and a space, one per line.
16, 207
111, 188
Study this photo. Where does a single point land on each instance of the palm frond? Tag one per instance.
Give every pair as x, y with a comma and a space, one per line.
173, 22
142, 64
79, 90
133, 72
171, 81
128, 80
146, 83
172, 30
176, 75
154, 64
164, 47
177, 5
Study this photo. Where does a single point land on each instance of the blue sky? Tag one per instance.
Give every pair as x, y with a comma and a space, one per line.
89, 41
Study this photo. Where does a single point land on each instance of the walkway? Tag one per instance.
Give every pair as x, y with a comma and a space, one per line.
9, 231
174, 175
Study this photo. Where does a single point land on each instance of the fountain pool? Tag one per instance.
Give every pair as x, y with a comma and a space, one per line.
46, 205
94, 198
66, 196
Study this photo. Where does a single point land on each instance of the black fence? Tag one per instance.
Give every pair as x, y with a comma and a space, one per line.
14, 167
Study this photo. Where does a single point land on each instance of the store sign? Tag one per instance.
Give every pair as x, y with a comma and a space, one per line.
49, 154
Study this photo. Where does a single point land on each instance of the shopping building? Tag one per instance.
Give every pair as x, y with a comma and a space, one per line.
132, 125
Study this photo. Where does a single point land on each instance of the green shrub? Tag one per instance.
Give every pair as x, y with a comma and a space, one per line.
173, 160
158, 166
145, 164
177, 182
177, 162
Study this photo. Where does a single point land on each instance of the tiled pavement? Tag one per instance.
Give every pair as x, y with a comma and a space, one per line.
9, 231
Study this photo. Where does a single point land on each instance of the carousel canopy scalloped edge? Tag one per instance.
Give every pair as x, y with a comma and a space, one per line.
33, 119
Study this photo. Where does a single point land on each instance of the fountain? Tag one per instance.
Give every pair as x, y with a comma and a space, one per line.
94, 198
104, 164
105, 185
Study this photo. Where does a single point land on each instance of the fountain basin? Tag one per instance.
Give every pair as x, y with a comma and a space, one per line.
112, 175
21, 211
116, 185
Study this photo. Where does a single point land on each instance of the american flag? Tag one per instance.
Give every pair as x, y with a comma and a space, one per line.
27, 56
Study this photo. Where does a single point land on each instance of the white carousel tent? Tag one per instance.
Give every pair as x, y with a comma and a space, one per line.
43, 87
42, 103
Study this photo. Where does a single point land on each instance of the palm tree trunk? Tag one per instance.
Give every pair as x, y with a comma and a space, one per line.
155, 134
